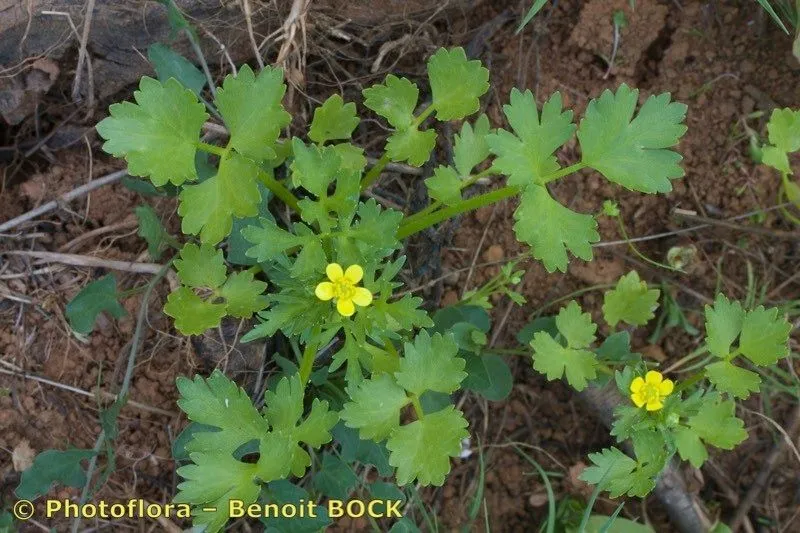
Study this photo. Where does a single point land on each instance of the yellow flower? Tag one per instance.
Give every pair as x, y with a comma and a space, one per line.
651, 390
342, 288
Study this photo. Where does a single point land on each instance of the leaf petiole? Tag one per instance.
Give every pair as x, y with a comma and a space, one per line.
213, 149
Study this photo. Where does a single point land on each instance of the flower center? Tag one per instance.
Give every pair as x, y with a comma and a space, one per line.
343, 289
651, 392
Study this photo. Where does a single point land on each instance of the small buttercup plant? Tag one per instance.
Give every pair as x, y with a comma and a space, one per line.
783, 131
374, 370
660, 417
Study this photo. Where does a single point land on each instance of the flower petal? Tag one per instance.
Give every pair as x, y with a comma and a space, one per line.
638, 398
345, 307
637, 384
362, 296
654, 405
354, 273
666, 387
653, 377
334, 271
324, 291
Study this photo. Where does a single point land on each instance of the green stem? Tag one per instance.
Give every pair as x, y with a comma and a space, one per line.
307, 363
281, 192
375, 171
410, 227
417, 406
213, 149
562, 172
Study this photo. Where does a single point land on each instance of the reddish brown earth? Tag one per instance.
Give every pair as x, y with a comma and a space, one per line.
726, 62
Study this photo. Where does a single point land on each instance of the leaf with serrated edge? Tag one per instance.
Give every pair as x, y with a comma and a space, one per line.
729, 378
243, 294
633, 152
412, 145
333, 120
431, 363
723, 324
550, 229
159, 134
690, 447
456, 83
209, 207
553, 360
422, 449
471, 147
765, 336
394, 100
252, 110
526, 156
630, 301
577, 327
192, 314
201, 266
717, 424
375, 407
269, 241
444, 186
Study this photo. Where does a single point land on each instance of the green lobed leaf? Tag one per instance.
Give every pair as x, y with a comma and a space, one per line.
243, 294
717, 424
98, 296
633, 152
630, 301
489, 375
723, 324
314, 168
270, 241
526, 156
209, 207
201, 266
431, 363
192, 314
729, 378
784, 129
471, 146
445, 185
765, 336
394, 100
689, 445
333, 120
577, 327
611, 469
550, 229
456, 83
252, 110
53, 466
151, 230
552, 359
159, 134
375, 407
412, 145
422, 449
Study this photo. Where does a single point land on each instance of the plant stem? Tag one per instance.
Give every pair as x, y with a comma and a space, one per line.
560, 173
307, 363
417, 406
281, 192
410, 227
213, 149
375, 171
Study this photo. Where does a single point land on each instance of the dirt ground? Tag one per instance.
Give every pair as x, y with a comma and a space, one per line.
727, 62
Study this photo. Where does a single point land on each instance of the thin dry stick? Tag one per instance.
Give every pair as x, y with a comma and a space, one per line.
766, 467
76, 390
67, 197
87, 24
778, 234
248, 15
88, 261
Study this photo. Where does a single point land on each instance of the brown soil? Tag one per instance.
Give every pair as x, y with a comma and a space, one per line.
725, 61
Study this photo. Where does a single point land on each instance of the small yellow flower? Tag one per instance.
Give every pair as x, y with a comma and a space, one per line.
651, 390
342, 288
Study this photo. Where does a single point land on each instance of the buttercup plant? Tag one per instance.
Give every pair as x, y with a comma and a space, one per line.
327, 278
